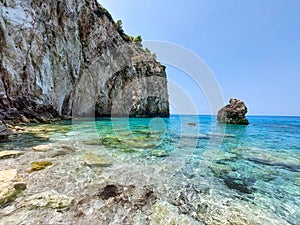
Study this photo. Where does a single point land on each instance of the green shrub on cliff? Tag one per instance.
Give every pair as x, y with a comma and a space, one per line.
138, 39
131, 38
119, 26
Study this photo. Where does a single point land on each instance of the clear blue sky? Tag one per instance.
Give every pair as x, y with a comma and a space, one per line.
251, 46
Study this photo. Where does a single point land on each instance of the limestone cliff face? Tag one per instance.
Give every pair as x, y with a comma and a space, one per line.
68, 58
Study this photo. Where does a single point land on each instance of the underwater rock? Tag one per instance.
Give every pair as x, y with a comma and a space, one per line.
5, 133
159, 153
288, 160
10, 154
65, 150
192, 124
95, 141
233, 113
96, 160
239, 185
48, 199
109, 191
42, 148
285, 165
220, 170
116, 203
218, 156
221, 135
37, 166
139, 144
111, 141
11, 184
165, 213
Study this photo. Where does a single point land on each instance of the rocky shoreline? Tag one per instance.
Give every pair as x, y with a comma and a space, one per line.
62, 179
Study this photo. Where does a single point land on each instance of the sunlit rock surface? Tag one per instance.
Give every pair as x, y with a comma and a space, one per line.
69, 58
233, 113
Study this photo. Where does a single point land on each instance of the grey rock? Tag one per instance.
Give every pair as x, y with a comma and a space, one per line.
48, 199
233, 113
69, 58
5, 133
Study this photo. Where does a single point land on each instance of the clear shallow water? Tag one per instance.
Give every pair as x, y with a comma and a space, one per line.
254, 168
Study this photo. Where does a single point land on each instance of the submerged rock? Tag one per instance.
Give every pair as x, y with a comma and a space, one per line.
10, 154
109, 191
159, 153
37, 166
96, 160
240, 185
220, 170
165, 213
233, 113
95, 141
42, 148
48, 199
11, 184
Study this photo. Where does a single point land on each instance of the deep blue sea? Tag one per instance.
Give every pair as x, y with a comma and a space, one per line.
251, 171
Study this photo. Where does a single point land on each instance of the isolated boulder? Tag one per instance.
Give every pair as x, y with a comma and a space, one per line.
233, 113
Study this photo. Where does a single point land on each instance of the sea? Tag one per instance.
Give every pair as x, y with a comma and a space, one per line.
211, 173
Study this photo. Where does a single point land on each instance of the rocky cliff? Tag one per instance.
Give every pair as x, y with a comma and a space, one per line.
62, 58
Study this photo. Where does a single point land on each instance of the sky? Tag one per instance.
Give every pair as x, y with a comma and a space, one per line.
251, 47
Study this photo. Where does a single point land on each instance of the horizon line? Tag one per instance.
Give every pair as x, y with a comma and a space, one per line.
251, 115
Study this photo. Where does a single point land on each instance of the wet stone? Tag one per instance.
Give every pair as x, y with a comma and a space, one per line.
48, 199
10, 154
238, 185
42, 148
37, 166
109, 191
96, 160
165, 213
11, 184
159, 153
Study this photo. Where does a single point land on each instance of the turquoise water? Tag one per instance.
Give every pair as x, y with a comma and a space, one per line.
255, 167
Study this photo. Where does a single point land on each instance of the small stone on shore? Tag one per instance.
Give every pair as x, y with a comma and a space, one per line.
42, 148
10, 154
37, 166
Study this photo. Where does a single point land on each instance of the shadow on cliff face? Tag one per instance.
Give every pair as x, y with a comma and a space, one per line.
150, 107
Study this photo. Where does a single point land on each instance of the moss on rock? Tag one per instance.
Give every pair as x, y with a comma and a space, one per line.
37, 166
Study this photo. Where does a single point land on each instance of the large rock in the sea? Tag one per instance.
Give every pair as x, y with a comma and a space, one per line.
69, 57
233, 113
